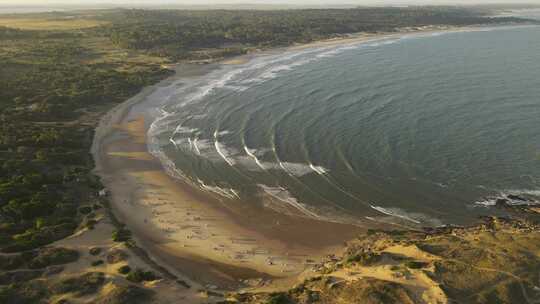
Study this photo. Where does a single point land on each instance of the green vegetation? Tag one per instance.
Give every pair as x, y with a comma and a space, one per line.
364, 258
25, 292
495, 262
415, 264
38, 259
97, 263
365, 291
53, 256
60, 72
95, 251
121, 235
82, 285
116, 256
53, 87
85, 210
12, 277
278, 298
139, 275
38, 291
124, 269
129, 294
55, 83
207, 34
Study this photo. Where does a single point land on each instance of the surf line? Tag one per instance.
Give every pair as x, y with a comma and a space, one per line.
318, 169
173, 142
195, 146
296, 179
252, 155
393, 214
293, 202
218, 149
324, 174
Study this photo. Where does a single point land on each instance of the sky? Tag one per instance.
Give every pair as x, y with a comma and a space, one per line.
294, 2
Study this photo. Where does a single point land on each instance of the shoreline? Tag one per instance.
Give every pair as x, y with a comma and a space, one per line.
209, 237
193, 231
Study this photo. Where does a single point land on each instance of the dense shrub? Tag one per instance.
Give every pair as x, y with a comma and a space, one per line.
139, 275
116, 256
23, 293
85, 210
97, 263
121, 235
415, 264
364, 258
53, 256
12, 277
278, 298
45, 167
124, 269
85, 284
95, 251
128, 294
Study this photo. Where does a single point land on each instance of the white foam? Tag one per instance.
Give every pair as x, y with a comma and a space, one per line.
319, 169
385, 42
236, 88
285, 196
169, 166
197, 116
195, 146
532, 198
220, 79
222, 133
486, 202
268, 74
300, 169
171, 169
183, 130
337, 51
207, 149
524, 191
228, 193
395, 212
273, 71
174, 143
218, 82
222, 150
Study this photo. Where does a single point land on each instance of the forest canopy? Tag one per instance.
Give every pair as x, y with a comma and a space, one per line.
178, 33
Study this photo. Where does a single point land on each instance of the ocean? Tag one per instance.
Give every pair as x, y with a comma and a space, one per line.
425, 129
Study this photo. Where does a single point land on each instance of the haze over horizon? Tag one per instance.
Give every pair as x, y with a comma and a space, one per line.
256, 2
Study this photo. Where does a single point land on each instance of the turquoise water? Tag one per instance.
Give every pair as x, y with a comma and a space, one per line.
425, 129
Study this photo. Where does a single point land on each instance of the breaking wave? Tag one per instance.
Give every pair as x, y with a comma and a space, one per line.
521, 197
283, 195
234, 132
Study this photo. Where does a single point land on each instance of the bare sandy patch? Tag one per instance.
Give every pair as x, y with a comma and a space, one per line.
49, 24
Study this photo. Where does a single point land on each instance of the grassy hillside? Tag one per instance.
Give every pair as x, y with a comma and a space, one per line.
495, 262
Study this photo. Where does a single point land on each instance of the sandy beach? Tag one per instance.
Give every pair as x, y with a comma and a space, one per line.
191, 232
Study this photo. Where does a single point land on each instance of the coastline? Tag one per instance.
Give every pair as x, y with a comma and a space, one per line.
178, 225
192, 233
